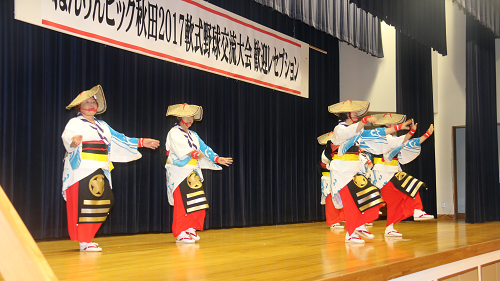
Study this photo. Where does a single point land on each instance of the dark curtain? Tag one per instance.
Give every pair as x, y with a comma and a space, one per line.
271, 135
339, 18
423, 20
481, 144
414, 97
487, 12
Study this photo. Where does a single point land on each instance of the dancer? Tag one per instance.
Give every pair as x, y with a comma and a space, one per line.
399, 190
91, 145
360, 199
333, 210
187, 155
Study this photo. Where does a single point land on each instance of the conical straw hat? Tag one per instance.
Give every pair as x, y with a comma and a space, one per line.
185, 110
95, 92
361, 107
389, 118
324, 138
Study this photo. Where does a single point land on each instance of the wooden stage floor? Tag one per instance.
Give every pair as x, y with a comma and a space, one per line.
305, 251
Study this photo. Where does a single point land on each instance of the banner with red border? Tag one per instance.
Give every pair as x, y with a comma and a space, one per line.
188, 32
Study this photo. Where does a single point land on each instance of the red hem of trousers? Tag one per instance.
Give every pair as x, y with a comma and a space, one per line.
333, 215
399, 205
183, 221
353, 217
83, 232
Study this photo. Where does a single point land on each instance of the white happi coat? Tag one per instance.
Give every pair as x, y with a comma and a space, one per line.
180, 144
326, 182
372, 142
120, 149
406, 152
342, 172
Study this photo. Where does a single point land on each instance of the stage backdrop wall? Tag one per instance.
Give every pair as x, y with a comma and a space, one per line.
378, 83
451, 104
271, 135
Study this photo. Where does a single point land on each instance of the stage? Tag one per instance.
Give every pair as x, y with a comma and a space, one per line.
305, 251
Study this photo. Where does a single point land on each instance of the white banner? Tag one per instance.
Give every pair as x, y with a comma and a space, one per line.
192, 33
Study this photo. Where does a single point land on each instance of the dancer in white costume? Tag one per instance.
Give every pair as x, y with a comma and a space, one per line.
92, 145
399, 190
187, 155
360, 199
333, 211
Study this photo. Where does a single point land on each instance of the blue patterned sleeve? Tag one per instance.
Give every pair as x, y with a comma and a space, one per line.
178, 162
409, 151
206, 150
392, 153
75, 158
373, 141
123, 139
122, 148
412, 146
376, 133
73, 153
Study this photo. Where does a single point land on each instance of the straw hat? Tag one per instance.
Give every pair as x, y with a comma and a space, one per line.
389, 118
185, 110
95, 92
324, 138
361, 107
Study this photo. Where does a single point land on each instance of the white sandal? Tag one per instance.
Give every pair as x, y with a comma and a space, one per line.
393, 233
90, 247
192, 232
184, 238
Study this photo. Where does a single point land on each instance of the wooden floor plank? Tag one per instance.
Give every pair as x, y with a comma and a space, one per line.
306, 251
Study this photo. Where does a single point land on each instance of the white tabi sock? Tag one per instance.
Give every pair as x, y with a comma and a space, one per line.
389, 228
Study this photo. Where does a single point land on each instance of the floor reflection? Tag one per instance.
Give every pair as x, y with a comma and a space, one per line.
187, 262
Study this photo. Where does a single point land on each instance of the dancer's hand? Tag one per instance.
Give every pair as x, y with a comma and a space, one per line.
226, 161
413, 125
371, 119
150, 143
431, 129
76, 140
406, 125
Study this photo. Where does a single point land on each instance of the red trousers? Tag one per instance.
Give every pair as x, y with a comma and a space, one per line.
333, 215
83, 232
183, 221
353, 217
399, 205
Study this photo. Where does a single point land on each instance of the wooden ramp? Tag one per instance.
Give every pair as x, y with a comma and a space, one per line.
307, 251
20, 258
